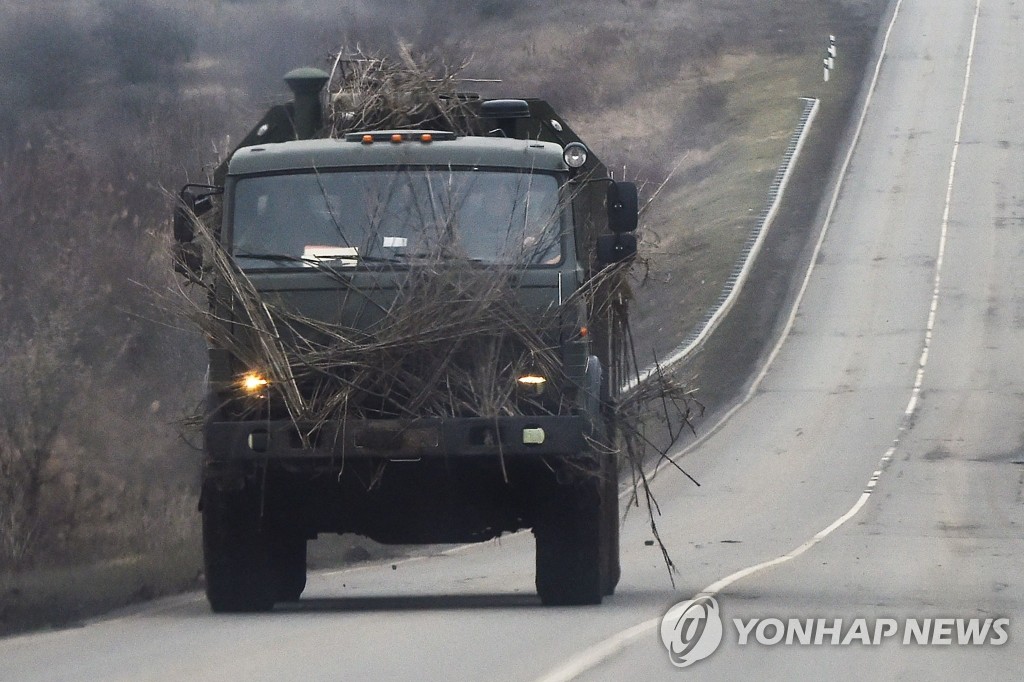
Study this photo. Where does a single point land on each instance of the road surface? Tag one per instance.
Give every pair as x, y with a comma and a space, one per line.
876, 470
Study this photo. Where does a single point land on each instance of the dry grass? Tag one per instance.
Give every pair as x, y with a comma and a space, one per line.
713, 87
369, 91
696, 232
56, 597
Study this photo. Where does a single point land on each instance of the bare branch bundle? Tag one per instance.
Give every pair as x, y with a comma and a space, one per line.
434, 332
374, 92
449, 343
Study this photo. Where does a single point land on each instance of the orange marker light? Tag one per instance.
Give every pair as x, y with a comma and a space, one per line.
584, 331
426, 137
367, 139
397, 137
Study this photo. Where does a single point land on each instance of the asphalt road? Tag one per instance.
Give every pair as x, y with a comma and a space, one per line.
874, 471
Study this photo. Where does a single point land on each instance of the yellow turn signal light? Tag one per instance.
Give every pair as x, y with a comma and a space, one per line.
253, 383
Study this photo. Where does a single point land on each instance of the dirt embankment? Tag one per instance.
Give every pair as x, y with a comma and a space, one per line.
729, 359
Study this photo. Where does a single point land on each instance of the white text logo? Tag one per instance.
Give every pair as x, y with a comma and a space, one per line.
692, 630
837, 632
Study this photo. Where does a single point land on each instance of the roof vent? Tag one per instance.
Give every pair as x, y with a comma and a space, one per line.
306, 83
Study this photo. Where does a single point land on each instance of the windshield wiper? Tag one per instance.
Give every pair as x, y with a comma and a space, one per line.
268, 256
434, 255
379, 259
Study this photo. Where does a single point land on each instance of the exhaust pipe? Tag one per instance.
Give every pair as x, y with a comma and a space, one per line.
306, 84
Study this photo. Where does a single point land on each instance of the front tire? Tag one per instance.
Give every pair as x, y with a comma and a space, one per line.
610, 507
289, 565
236, 553
571, 557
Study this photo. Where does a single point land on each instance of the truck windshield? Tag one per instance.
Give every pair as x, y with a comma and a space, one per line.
362, 217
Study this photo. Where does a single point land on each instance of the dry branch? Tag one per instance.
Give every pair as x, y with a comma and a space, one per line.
373, 92
453, 337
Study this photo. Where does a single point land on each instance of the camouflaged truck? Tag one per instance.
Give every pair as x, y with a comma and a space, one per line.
318, 223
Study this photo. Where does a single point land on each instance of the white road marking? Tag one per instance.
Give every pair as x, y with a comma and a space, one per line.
595, 655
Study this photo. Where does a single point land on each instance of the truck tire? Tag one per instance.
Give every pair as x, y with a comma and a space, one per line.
571, 557
601, 416
610, 507
236, 553
289, 564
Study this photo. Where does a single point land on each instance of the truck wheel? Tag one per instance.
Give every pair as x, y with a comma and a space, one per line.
236, 554
289, 564
610, 507
571, 563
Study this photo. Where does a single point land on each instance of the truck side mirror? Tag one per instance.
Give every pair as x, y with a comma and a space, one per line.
616, 248
623, 207
193, 201
186, 209
188, 259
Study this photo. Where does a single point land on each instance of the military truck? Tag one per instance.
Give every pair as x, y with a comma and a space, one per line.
330, 228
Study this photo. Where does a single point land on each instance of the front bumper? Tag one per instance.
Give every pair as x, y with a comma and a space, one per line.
397, 439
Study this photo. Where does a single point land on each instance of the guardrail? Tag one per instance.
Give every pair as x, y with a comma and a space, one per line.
745, 263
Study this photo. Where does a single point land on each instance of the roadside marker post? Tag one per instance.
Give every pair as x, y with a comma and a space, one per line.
830, 57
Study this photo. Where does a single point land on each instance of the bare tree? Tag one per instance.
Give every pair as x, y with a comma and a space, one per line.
39, 380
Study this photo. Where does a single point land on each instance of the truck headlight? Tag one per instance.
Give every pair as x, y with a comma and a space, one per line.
575, 154
253, 383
